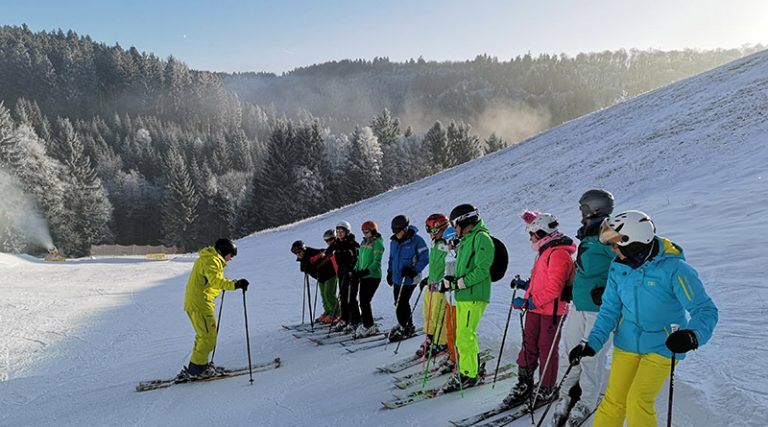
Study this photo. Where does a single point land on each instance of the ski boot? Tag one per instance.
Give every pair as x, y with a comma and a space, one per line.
522, 390
546, 394
560, 414
420, 352
363, 332
579, 412
447, 366
460, 381
349, 329
396, 333
339, 327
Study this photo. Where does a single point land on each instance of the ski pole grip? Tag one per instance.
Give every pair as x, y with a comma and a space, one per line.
674, 327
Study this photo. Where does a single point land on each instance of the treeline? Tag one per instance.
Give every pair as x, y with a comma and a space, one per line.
562, 87
119, 146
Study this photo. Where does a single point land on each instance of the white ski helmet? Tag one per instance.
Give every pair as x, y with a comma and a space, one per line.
629, 227
344, 225
545, 222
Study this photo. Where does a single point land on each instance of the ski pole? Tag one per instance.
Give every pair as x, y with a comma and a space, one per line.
397, 304
504, 338
248, 339
303, 301
674, 327
317, 288
410, 317
549, 356
427, 324
309, 303
562, 380
218, 323
440, 315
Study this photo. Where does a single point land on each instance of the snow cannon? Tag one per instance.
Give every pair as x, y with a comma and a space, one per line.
54, 255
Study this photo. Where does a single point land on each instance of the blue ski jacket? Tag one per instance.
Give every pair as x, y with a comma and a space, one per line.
410, 252
639, 305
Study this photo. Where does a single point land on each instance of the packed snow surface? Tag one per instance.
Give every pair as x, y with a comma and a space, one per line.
76, 337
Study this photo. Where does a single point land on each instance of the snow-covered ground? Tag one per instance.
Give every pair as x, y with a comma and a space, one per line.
75, 337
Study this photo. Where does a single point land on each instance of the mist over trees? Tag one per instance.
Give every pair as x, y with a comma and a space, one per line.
114, 145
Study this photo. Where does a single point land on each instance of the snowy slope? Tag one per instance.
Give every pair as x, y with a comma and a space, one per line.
75, 337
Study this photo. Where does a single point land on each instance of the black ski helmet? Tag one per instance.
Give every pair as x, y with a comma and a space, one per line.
399, 223
595, 203
225, 247
464, 215
329, 235
297, 246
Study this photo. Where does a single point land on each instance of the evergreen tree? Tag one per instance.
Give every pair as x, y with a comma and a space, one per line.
387, 130
365, 158
436, 144
85, 199
180, 206
462, 146
494, 143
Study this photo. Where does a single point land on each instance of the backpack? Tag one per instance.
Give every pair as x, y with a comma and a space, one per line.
500, 260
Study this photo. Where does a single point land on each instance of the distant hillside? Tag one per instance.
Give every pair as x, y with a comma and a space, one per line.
514, 98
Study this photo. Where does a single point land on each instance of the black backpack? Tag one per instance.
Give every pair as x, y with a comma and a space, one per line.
500, 260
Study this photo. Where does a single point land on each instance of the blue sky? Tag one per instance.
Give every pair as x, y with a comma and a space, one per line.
277, 36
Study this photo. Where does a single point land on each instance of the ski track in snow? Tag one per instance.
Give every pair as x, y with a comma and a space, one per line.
76, 337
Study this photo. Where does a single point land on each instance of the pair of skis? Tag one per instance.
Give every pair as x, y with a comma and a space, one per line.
434, 371
226, 373
402, 364
506, 372
520, 411
380, 342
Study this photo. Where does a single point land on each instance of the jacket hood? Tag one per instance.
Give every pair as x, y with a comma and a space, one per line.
410, 232
480, 226
669, 249
210, 252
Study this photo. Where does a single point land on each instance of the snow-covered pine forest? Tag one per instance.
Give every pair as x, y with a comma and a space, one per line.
113, 145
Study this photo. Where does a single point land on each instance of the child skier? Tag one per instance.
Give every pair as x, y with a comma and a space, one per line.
434, 305
314, 262
592, 264
471, 285
408, 255
367, 273
344, 252
552, 269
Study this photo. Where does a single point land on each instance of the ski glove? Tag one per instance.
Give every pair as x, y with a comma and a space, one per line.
682, 341
522, 303
389, 278
242, 284
408, 272
578, 352
597, 295
519, 283
567, 294
423, 283
447, 284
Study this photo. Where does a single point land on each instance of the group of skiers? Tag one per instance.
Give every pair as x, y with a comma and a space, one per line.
625, 281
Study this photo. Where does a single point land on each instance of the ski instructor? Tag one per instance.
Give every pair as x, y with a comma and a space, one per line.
205, 283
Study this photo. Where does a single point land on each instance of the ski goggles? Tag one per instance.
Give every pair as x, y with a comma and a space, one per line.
608, 235
586, 212
436, 230
458, 220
